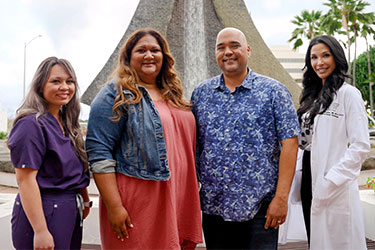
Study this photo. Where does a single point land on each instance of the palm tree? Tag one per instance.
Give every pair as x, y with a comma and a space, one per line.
308, 26
366, 31
345, 14
339, 13
356, 17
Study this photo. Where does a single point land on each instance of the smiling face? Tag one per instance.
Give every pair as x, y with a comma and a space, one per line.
232, 52
147, 59
59, 88
322, 61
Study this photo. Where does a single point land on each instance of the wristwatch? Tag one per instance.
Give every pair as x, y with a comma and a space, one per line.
87, 203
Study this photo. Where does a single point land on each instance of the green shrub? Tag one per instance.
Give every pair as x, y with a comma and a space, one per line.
3, 135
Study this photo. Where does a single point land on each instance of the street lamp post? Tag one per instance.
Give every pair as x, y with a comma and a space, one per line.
24, 63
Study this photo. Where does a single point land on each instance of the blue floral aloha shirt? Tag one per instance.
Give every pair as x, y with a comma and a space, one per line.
239, 136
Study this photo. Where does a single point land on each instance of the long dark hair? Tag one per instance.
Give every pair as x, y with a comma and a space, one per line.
34, 103
167, 81
315, 96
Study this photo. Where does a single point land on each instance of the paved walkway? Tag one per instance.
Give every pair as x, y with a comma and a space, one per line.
288, 246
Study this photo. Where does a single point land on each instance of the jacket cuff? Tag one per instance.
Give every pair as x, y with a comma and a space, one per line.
103, 167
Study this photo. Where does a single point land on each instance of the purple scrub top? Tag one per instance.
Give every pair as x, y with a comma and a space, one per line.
41, 145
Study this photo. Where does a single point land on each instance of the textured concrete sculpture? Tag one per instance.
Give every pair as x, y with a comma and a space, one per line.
190, 27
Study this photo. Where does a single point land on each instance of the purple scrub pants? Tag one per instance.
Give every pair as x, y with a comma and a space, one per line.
62, 217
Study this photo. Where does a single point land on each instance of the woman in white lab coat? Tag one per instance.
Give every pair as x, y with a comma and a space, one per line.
335, 141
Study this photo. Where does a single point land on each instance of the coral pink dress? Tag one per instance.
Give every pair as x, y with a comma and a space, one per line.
165, 214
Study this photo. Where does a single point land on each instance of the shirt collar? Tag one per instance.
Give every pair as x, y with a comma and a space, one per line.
247, 82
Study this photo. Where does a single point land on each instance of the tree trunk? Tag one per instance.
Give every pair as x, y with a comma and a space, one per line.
345, 25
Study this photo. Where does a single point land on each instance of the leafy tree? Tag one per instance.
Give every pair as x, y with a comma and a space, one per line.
308, 25
338, 14
3, 135
358, 17
366, 31
350, 14
362, 75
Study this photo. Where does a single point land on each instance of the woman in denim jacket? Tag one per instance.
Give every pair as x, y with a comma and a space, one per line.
141, 147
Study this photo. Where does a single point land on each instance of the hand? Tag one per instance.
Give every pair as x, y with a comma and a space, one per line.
120, 221
276, 212
43, 240
86, 212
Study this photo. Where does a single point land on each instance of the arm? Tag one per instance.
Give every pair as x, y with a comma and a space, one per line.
349, 166
117, 214
27, 150
103, 135
287, 129
86, 198
32, 205
278, 208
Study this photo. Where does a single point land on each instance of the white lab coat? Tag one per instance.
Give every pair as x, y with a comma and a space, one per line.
340, 144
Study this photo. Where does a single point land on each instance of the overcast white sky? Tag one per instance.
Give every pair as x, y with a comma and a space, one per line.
86, 32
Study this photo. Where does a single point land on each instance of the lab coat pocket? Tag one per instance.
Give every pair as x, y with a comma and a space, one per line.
330, 221
325, 189
329, 195
325, 192
338, 218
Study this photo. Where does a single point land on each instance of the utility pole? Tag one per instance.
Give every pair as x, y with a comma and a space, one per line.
24, 64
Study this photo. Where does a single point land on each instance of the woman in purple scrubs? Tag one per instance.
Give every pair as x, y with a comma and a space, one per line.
46, 148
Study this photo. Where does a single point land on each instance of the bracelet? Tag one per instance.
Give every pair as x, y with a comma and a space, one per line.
88, 204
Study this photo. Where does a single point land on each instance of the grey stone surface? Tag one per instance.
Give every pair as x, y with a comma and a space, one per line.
212, 26
369, 163
153, 14
5, 163
170, 18
262, 61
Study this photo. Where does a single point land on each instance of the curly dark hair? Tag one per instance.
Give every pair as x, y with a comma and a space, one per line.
316, 97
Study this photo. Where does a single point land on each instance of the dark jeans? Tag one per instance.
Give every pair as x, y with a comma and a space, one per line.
306, 192
220, 234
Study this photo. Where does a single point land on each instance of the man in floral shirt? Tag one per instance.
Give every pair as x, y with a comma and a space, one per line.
247, 147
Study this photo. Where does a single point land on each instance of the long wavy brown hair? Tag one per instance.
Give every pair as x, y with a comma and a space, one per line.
35, 103
167, 81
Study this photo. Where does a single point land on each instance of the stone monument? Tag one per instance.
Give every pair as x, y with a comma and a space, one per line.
190, 27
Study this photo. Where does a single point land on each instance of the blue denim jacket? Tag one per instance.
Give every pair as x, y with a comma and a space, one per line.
133, 146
